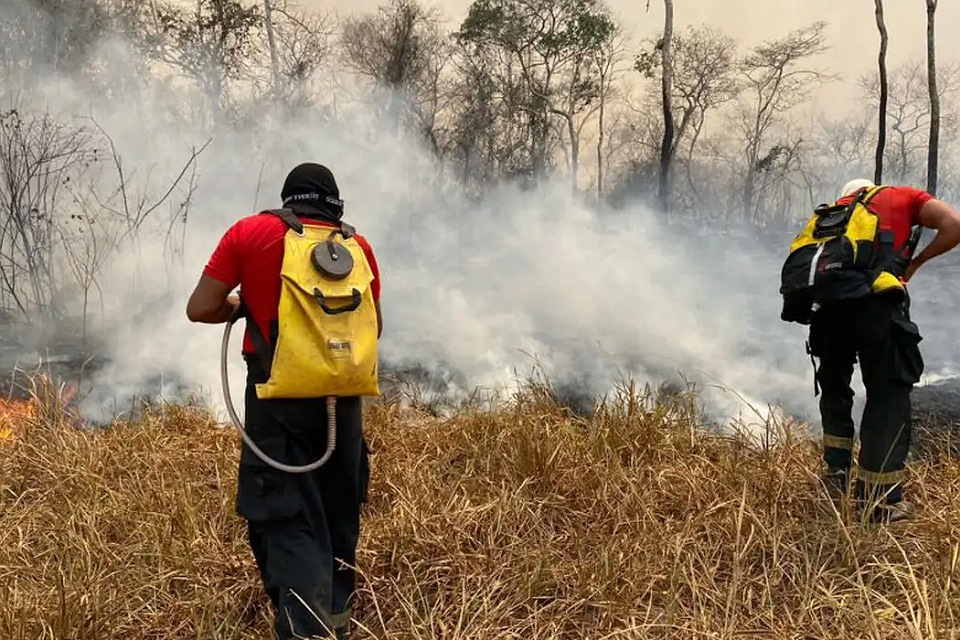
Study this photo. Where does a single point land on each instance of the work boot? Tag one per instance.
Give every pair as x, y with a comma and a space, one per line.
889, 513
835, 480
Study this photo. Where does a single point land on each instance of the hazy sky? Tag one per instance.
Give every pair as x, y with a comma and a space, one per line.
851, 28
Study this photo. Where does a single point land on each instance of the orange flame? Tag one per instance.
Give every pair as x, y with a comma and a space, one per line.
12, 414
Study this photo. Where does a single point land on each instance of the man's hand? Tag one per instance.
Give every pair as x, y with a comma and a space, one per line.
910, 270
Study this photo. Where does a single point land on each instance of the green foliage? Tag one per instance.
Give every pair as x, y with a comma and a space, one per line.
647, 62
553, 42
554, 29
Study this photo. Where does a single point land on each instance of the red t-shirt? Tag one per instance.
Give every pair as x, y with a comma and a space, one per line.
898, 209
250, 255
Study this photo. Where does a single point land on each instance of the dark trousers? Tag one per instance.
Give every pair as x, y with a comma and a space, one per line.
301, 527
878, 332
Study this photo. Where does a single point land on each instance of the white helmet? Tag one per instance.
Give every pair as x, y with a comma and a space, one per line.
854, 185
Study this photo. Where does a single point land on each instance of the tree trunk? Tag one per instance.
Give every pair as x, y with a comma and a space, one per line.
747, 195
933, 149
882, 115
600, 140
574, 155
666, 146
272, 41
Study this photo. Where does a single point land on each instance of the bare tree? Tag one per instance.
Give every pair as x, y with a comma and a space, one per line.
271, 40
39, 35
775, 85
703, 63
908, 114
302, 43
211, 45
86, 250
933, 149
109, 216
838, 146
882, 110
39, 158
606, 61
401, 50
134, 210
61, 212
632, 156
582, 94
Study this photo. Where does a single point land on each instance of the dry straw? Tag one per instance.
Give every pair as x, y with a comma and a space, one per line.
524, 523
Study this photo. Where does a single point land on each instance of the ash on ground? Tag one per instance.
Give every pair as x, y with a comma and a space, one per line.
936, 419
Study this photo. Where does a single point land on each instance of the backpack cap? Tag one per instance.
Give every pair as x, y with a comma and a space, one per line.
853, 186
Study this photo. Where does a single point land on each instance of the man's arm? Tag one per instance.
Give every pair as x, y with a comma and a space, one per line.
210, 302
379, 319
936, 214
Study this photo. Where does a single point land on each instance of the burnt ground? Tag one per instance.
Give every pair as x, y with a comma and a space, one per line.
67, 365
936, 406
936, 412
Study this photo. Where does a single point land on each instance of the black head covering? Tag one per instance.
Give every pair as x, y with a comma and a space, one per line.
311, 190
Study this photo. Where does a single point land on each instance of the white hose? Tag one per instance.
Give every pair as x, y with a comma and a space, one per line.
331, 418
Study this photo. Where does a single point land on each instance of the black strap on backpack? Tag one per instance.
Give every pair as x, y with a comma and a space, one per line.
292, 220
903, 257
261, 347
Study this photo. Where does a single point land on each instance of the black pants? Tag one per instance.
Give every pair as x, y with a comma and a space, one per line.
302, 526
878, 332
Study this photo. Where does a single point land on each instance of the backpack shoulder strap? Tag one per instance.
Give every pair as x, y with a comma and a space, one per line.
862, 197
869, 194
347, 230
289, 218
293, 222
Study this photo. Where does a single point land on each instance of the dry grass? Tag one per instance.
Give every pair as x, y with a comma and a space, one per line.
524, 523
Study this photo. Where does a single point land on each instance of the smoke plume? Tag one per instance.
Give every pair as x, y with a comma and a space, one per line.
475, 292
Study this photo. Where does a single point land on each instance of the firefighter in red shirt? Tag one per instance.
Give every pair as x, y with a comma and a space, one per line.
877, 331
301, 527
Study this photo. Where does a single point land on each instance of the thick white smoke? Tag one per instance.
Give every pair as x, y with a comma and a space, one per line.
481, 289
478, 289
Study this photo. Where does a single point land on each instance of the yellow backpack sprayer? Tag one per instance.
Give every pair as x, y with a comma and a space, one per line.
323, 349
